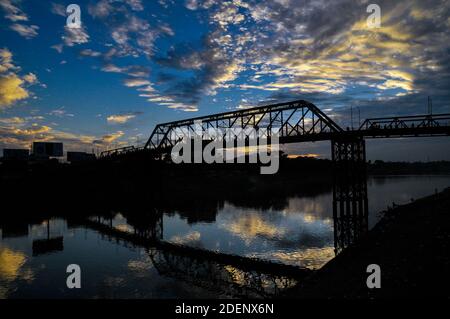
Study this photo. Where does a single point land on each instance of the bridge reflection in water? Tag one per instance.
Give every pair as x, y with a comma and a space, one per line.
350, 202
233, 275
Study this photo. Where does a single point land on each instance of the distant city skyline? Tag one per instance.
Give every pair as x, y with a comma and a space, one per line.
134, 64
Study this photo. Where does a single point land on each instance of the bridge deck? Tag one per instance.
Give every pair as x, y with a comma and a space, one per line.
363, 133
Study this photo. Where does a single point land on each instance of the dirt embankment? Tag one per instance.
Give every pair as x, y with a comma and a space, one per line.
411, 246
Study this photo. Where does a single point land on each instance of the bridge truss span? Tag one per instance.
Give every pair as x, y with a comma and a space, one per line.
293, 121
406, 126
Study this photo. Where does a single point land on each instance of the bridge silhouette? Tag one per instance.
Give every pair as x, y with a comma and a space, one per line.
294, 122
301, 121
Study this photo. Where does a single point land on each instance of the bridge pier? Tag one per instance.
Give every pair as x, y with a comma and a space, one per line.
350, 204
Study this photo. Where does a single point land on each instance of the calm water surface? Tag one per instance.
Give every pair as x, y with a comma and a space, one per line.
33, 258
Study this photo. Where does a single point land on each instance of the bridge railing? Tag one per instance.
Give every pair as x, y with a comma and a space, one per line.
120, 150
406, 122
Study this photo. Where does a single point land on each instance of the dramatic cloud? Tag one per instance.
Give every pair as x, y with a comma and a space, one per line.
15, 14
60, 112
31, 78
13, 87
165, 100
135, 5
21, 132
316, 48
6, 61
74, 36
213, 69
199, 4
100, 9
120, 118
11, 90
25, 30
228, 14
58, 47
133, 36
109, 138
136, 82
58, 9
130, 70
71, 36
34, 130
90, 53
12, 120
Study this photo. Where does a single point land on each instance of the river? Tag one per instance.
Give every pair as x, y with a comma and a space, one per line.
34, 257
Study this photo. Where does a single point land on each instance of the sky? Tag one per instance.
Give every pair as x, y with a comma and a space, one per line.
134, 64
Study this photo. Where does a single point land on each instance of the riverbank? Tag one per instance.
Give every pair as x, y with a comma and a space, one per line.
411, 246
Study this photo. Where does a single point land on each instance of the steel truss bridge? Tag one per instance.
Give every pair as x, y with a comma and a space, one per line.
301, 121
296, 121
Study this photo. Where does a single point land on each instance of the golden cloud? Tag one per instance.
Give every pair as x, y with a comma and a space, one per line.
12, 120
12, 85
11, 90
377, 57
33, 130
30, 78
19, 132
5, 60
112, 137
120, 119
